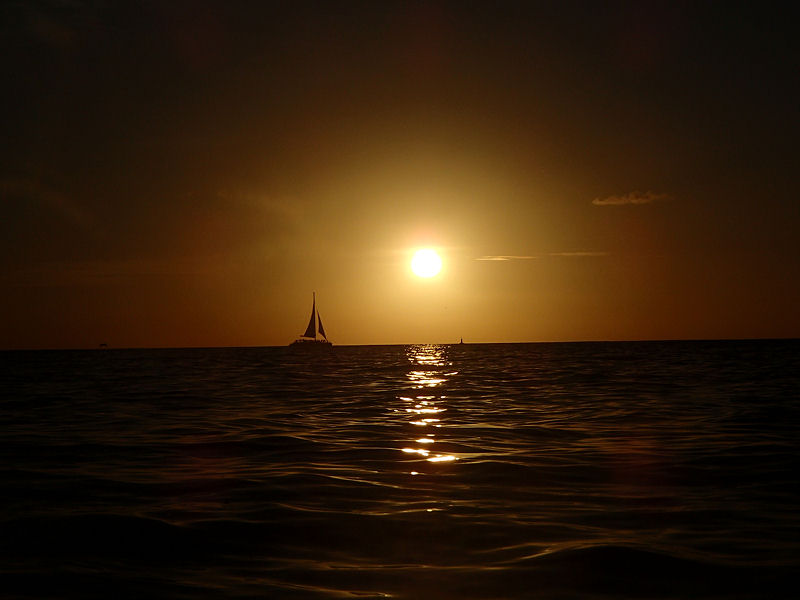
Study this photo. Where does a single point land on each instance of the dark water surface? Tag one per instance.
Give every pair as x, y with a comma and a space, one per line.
591, 470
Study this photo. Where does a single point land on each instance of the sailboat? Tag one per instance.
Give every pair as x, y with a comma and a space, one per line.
310, 339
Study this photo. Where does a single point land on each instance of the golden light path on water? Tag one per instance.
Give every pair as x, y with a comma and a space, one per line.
425, 409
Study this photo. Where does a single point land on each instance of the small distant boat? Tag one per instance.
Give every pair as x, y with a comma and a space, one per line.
462, 341
310, 339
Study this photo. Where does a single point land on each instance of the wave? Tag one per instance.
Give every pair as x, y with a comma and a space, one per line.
574, 471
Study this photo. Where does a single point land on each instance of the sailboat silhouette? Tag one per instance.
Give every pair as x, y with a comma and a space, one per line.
309, 338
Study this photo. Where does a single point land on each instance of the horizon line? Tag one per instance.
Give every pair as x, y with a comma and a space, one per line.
586, 341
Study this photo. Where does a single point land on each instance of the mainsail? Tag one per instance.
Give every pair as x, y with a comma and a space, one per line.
311, 331
321, 328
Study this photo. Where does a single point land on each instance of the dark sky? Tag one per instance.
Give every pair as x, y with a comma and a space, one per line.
187, 173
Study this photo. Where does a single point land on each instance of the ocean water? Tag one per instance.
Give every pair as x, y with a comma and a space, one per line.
498, 471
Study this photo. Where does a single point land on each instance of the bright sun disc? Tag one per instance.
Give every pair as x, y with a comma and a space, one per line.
426, 263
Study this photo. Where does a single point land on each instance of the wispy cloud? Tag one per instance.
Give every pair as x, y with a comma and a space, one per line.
631, 198
59, 273
506, 257
578, 254
35, 191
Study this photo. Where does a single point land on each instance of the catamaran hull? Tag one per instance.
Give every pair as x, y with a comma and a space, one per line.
310, 350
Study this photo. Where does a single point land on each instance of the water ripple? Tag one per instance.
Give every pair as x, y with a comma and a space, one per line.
576, 470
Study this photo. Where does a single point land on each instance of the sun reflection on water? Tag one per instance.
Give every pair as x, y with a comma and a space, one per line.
429, 371
425, 422
441, 458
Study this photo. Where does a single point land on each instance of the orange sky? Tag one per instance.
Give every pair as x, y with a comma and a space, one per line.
187, 176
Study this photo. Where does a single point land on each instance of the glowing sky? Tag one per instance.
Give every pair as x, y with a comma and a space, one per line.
187, 173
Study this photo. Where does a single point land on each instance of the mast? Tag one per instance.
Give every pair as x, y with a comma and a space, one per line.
311, 331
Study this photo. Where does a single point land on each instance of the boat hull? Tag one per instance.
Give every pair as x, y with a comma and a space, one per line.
311, 345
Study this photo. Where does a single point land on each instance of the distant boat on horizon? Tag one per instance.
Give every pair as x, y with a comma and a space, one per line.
309, 339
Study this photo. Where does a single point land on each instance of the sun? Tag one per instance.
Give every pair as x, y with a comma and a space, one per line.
426, 263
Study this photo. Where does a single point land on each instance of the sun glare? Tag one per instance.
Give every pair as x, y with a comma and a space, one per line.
426, 263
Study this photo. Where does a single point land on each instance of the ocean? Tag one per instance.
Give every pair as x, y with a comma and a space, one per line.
491, 471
